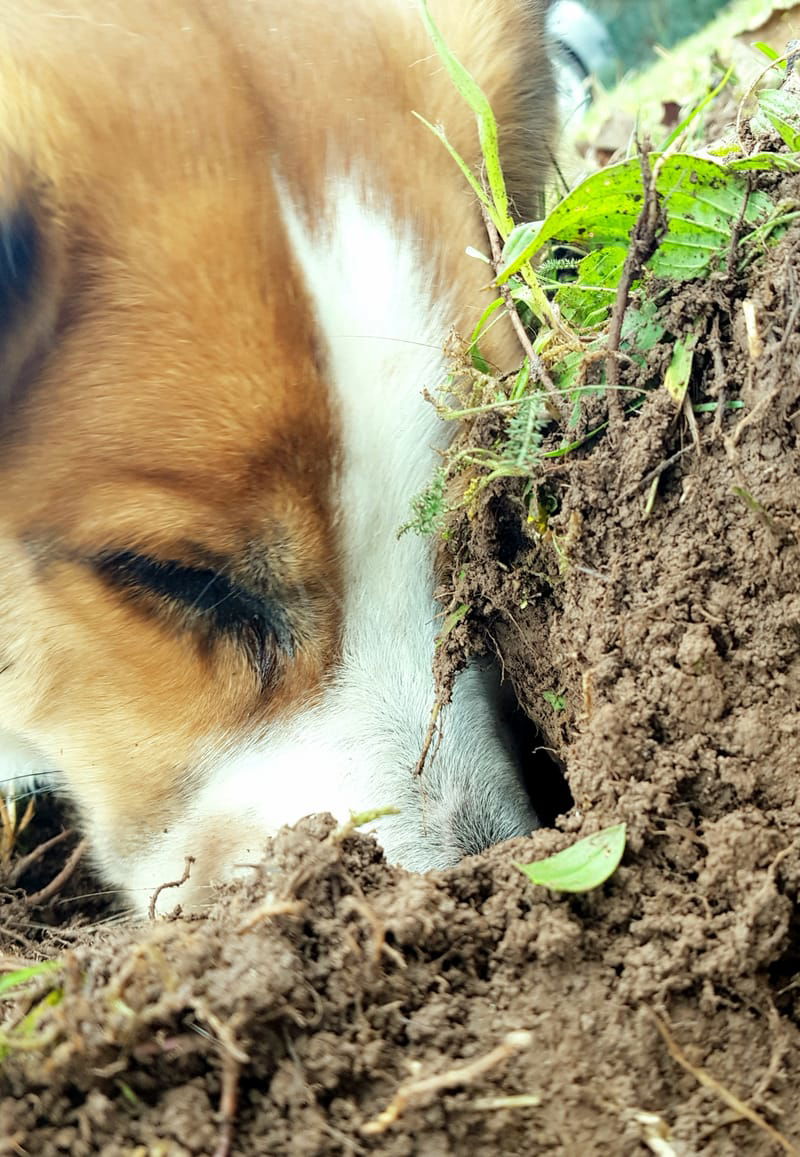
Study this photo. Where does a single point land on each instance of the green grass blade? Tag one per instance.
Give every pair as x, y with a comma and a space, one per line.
13, 980
679, 370
704, 103
477, 100
441, 135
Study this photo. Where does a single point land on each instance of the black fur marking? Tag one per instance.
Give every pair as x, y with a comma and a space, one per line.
19, 256
211, 597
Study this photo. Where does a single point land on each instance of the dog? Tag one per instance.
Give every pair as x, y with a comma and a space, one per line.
230, 257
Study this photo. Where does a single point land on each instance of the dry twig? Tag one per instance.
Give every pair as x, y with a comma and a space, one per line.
655, 473
713, 1085
429, 734
187, 871
22, 864
419, 1089
57, 883
538, 368
644, 240
720, 378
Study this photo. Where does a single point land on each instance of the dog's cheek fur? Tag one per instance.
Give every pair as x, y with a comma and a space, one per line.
173, 372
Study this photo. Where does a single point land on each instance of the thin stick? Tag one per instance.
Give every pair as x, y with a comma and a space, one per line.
268, 910
417, 1090
720, 377
429, 734
228, 1105
24, 862
656, 473
708, 1082
538, 368
57, 883
642, 246
187, 871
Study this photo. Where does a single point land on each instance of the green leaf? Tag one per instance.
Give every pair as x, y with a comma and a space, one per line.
701, 199
711, 407
764, 162
587, 301
565, 372
518, 242
520, 386
483, 320
679, 370
452, 621
768, 51
24, 1035
441, 135
641, 328
557, 701
477, 100
782, 109
585, 865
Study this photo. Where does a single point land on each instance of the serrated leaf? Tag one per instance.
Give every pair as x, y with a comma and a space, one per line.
679, 370
588, 300
701, 199
582, 867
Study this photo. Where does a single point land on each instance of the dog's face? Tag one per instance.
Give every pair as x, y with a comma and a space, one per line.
197, 505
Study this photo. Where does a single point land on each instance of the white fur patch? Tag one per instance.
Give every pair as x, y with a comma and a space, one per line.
357, 748
22, 768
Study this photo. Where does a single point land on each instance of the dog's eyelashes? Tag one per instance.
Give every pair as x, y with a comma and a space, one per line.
198, 588
208, 597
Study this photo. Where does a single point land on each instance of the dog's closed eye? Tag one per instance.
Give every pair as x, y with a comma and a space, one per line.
19, 246
208, 599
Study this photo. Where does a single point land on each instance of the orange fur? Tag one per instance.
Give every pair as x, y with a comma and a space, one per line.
164, 389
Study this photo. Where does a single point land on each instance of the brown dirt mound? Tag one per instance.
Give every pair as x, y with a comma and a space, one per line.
662, 1011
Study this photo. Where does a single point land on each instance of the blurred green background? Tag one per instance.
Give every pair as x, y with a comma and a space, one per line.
636, 26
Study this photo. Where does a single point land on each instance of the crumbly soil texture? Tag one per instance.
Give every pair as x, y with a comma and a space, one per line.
338, 1006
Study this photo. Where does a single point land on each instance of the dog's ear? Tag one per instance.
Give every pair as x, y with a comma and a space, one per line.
32, 261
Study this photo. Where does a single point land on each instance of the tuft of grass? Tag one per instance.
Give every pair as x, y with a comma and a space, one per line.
26, 1034
428, 509
555, 699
